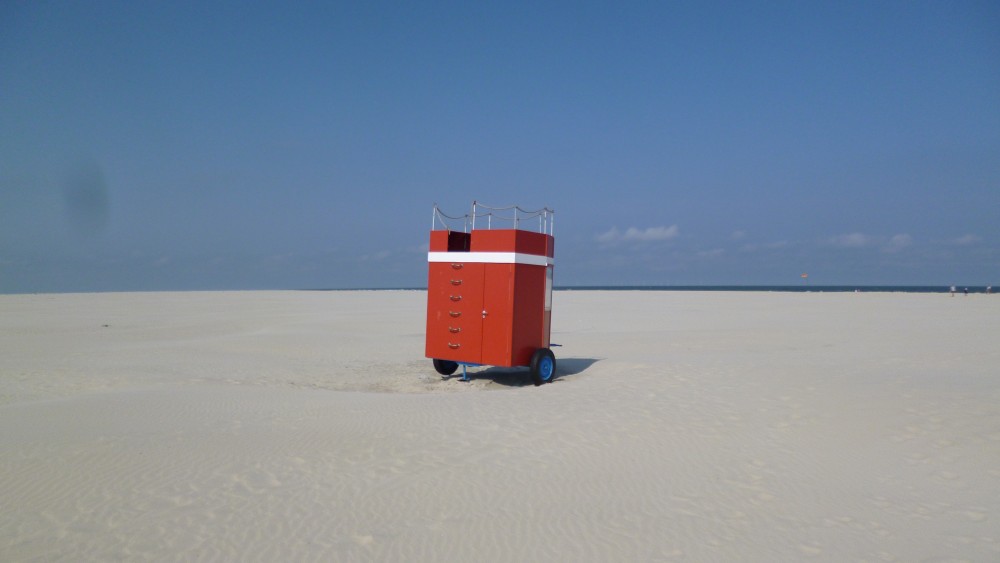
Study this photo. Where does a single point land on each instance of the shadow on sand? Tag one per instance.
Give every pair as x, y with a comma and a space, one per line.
521, 377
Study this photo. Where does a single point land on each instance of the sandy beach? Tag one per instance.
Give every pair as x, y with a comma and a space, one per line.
690, 426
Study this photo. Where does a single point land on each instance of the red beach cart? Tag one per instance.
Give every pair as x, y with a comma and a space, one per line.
489, 290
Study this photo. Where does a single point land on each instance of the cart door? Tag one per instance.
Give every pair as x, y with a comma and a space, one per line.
498, 314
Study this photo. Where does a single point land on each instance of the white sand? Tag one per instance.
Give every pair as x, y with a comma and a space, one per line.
280, 426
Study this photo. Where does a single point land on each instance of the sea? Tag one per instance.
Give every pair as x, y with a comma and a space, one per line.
801, 288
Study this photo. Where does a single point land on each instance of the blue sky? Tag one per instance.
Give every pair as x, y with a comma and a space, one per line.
193, 145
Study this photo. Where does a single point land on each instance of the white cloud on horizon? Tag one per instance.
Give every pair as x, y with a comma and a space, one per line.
851, 240
897, 243
966, 239
634, 234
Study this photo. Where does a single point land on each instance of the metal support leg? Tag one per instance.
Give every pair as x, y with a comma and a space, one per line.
465, 374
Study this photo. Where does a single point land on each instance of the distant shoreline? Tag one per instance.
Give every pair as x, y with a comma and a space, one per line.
978, 289
786, 288
765, 288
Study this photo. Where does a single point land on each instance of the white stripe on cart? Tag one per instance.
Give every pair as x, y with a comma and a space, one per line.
491, 258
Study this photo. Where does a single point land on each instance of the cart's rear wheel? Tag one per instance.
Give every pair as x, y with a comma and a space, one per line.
543, 366
445, 367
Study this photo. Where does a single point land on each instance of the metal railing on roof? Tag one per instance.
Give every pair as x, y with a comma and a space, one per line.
513, 217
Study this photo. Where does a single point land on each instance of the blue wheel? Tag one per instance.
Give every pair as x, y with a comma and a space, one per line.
543, 366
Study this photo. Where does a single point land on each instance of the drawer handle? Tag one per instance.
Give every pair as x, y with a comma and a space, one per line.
454, 329
455, 314
455, 297
456, 282
456, 266
454, 346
